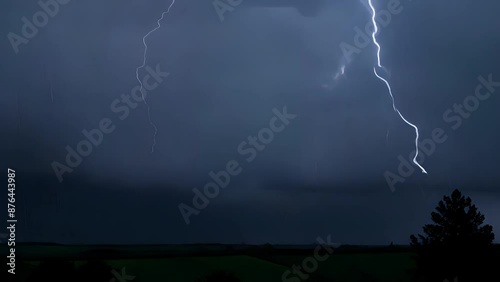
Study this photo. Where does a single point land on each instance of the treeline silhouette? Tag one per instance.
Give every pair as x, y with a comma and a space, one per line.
457, 246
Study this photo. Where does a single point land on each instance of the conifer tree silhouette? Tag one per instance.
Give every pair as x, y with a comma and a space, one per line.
457, 246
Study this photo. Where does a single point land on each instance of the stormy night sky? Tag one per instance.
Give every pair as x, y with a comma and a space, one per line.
324, 173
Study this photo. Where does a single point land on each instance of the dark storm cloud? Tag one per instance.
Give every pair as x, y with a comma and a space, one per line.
322, 175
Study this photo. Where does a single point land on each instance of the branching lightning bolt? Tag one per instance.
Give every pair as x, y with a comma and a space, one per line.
379, 64
143, 65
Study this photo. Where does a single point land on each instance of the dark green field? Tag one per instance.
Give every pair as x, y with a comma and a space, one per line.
186, 263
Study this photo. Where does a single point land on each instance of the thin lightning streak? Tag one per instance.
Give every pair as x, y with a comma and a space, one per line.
379, 64
143, 65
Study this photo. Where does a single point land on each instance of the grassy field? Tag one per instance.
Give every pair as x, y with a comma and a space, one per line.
387, 267
249, 263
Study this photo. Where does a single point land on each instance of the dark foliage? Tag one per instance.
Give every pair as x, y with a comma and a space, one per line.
458, 244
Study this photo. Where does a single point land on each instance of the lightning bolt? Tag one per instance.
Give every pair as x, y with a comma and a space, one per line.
379, 64
143, 65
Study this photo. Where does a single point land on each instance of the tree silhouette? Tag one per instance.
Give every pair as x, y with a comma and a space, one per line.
456, 245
